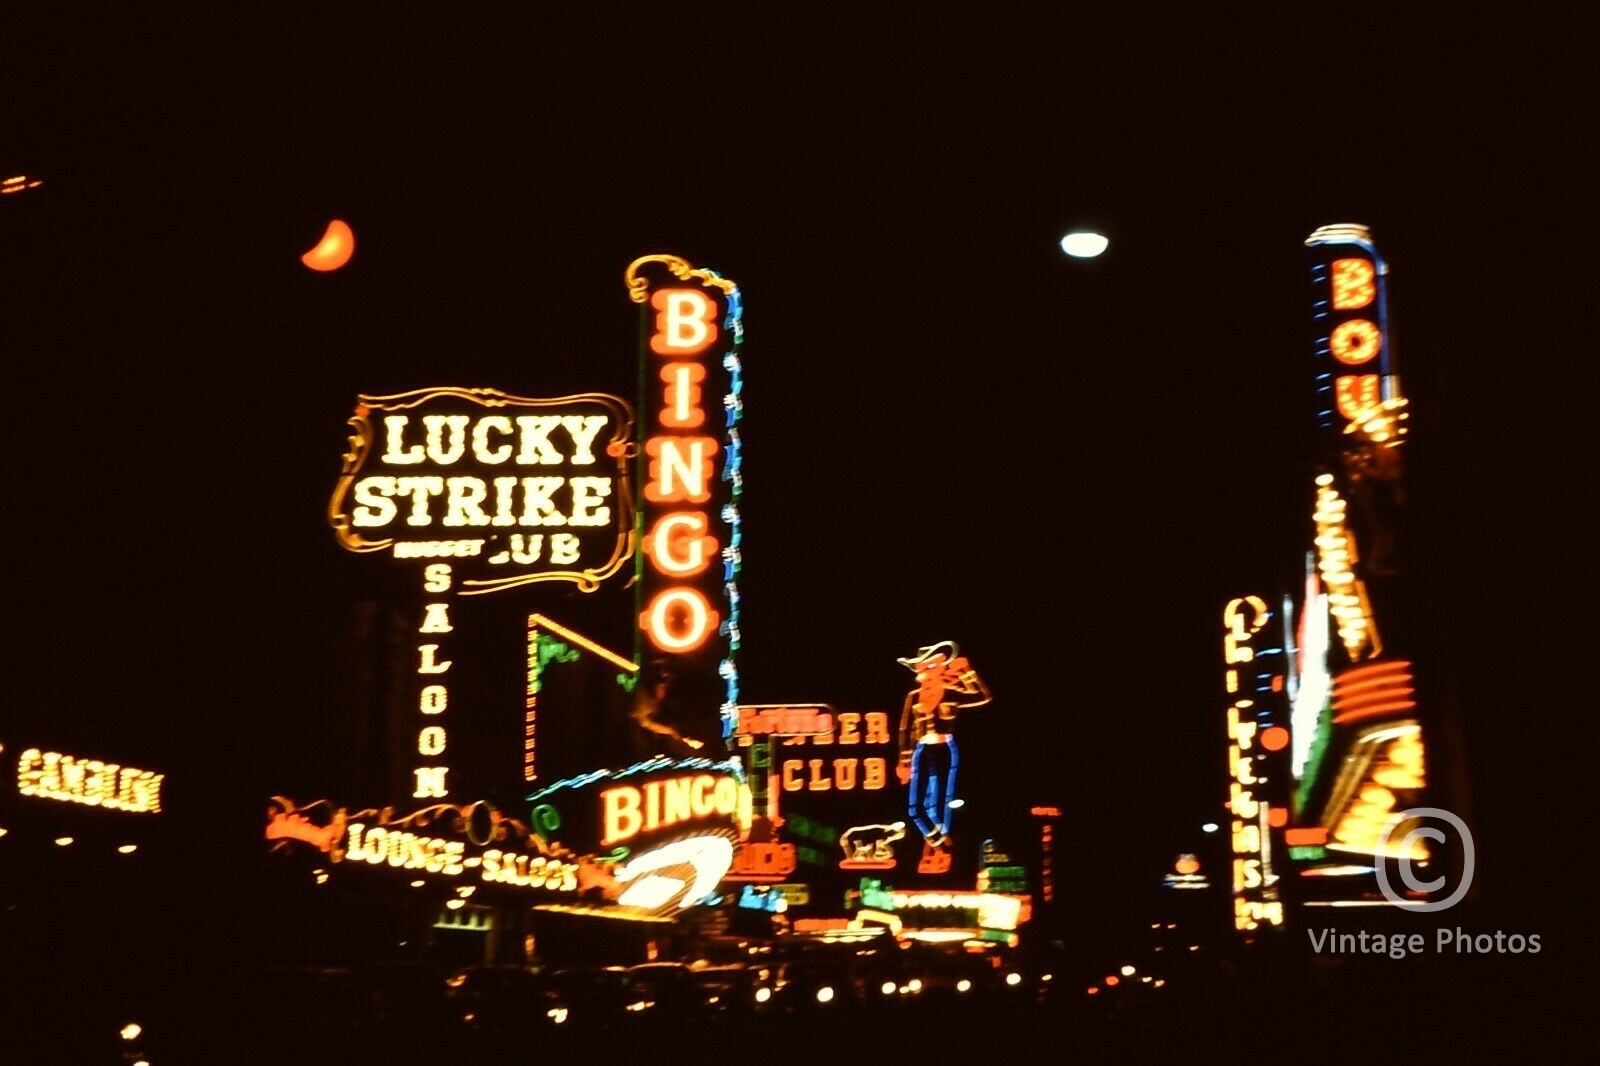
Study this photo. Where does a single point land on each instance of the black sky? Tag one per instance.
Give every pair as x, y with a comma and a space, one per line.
952, 429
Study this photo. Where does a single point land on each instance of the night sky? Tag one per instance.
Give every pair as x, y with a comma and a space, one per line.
952, 430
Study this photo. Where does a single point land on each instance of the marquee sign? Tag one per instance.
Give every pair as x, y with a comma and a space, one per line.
512, 490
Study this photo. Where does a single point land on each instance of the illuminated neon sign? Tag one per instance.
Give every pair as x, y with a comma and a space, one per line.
518, 489
1255, 892
1336, 560
990, 910
662, 804
1384, 773
635, 811
675, 875
870, 847
442, 840
433, 696
1358, 391
1373, 690
74, 779
692, 477
804, 720
1047, 850
549, 641
929, 757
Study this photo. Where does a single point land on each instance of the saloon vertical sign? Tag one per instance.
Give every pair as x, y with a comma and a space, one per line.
688, 519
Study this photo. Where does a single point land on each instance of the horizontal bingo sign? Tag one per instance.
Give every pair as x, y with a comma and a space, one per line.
509, 489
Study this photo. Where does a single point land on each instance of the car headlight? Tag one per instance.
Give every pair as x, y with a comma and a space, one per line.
963, 985
763, 994
1013, 979
887, 988
825, 994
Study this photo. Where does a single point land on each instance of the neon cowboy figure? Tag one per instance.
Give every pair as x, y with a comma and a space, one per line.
928, 755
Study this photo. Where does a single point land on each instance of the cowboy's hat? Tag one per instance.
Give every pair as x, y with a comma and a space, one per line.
925, 654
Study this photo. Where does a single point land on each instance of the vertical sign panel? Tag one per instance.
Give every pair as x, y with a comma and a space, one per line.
689, 523
1253, 679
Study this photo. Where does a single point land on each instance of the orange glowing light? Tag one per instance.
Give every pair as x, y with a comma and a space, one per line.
18, 183
1373, 690
1356, 395
338, 244
1187, 864
1306, 836
682, 407
678, 543
1352, 284
679, 620
1274, 738
680, 469
684, 322
1355, 342
762, 862
1277, 817
1112, 980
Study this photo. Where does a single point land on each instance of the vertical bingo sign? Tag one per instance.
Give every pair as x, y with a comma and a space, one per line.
688, 520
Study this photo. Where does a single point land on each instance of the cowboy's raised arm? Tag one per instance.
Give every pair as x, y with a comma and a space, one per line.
973, 685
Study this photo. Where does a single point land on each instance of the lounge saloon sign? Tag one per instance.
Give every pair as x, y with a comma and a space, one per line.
510, 489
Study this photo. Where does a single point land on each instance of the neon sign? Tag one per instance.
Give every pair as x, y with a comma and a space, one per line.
74, 779
1047, 849
689, 607
991, 910
441, 840
870, 847
1357, 389
675, 875
433, 696
929, 757
1373, 690
1255, 893
1385, 768
1336, 560
806, 720
843, 773
529, 489
630, 810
